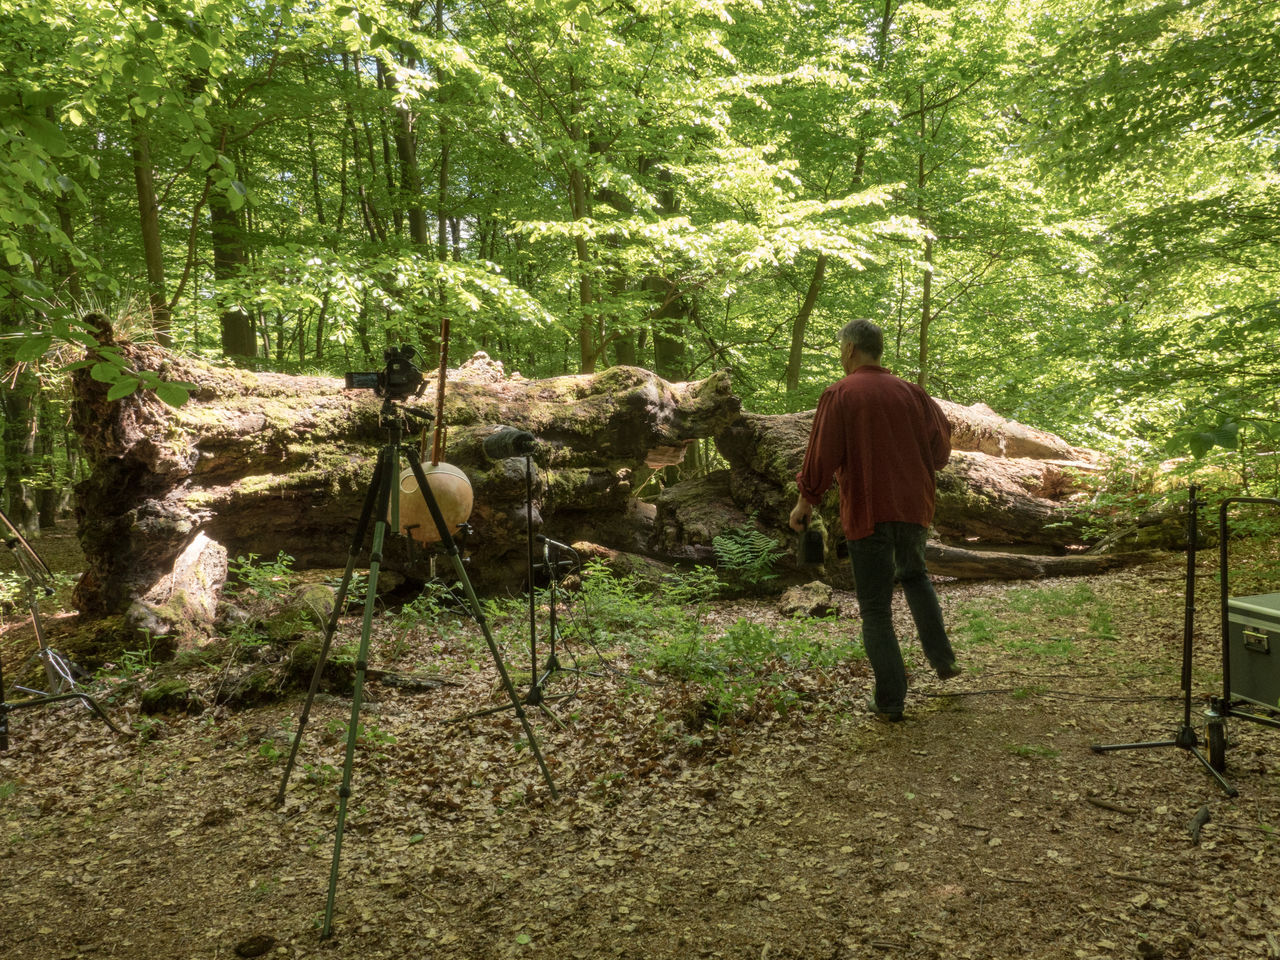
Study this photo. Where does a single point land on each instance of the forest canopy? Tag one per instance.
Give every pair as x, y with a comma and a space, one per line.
1066, 210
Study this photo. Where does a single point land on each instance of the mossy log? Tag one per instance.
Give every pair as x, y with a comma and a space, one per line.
261, 463
1012, 502
981, 496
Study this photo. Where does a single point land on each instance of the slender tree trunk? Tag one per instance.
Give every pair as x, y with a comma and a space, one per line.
226, 240
65, 222
19, 429
48, 495
926, 306
406, 141
442, 185
149, 213
397, 215
670, 350
587, 322
314, 159
795, 360
442, 198
926, 282
324, 313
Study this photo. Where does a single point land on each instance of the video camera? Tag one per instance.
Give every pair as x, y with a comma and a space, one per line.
400, 379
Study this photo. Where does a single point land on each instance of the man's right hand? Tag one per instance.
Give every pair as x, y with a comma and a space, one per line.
800, 514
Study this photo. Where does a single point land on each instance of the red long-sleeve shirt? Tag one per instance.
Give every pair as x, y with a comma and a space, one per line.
883, 438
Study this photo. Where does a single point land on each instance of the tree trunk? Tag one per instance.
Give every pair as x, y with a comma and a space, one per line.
587, 322
238, 340
926, 315
926, 280
66, 223
149, 215
263, 463
406, 142
19, 431
796, 358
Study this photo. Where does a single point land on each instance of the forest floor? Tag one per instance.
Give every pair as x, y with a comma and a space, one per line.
774, 819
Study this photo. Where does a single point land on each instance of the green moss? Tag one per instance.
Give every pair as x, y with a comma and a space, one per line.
259, 685
170, 696
91, 643
339, 672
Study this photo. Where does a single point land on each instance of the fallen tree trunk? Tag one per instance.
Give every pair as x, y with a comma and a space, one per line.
1003, 500
962, 564
261, 463
266, 463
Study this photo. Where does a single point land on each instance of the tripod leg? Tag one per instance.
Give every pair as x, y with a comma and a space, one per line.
366, 513
451, 547
4, 713
1227, 788
57, 682
362, 663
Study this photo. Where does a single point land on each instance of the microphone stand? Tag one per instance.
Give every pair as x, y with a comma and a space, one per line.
56, 669
552, 564
1185, 738
536, 695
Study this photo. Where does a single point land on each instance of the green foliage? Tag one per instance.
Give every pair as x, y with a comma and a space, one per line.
1049, 622
747, 554
1063, 209
264, 589
748, 649
620, 608
257, 579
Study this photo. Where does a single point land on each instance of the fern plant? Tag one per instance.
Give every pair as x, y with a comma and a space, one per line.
747, 553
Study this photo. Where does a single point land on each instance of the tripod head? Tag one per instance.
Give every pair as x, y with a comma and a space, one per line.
396, 415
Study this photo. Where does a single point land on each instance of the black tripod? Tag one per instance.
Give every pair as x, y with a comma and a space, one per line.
57, 671
555, 565
378, 503
1185, 737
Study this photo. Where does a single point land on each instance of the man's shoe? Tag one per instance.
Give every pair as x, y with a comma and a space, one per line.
884, 715
946, 673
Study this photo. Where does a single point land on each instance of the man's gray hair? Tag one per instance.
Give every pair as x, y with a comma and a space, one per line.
865, 336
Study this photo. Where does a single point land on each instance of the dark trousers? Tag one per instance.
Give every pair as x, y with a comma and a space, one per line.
895, 551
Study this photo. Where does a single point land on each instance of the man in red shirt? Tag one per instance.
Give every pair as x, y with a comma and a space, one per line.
884, 439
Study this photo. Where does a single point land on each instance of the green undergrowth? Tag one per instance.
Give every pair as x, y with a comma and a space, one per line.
730, 669
1043, 622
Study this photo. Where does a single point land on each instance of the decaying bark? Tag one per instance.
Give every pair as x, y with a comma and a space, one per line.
261, 463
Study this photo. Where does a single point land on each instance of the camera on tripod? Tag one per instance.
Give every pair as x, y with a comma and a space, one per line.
399, 380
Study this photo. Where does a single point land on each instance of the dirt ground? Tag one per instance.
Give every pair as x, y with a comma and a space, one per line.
983, 826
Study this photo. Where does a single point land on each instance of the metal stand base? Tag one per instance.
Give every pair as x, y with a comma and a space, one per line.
56, 670
1185, 738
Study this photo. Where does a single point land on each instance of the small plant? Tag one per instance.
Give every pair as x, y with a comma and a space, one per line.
148, 729
1026, 693
747, 553
618, 608
320, 774
258, 579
